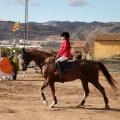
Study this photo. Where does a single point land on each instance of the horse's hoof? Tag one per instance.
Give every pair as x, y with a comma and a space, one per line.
51, 106
107, 107
79, 106
45, 102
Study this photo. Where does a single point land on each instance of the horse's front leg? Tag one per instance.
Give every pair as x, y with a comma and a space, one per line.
51, 83
42, 94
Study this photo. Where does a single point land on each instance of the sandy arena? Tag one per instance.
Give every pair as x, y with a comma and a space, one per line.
20, 100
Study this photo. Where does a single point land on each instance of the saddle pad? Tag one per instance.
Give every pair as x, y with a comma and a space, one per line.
69, 65
70, 60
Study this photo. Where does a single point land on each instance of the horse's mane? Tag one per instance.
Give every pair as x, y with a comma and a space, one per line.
38, 52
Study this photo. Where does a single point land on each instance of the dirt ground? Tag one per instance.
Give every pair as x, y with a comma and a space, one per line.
20, 100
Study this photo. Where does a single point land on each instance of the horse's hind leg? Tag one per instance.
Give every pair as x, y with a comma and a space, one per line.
86, 92
102, 90
45, 84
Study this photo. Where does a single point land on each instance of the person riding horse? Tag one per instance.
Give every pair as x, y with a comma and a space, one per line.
85, 70
64, 52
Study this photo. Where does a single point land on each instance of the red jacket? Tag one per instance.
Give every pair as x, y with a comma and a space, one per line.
64, 49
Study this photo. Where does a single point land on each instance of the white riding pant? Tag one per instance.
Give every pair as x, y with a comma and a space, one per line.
62, 58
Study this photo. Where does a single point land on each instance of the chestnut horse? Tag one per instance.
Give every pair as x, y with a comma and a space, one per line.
86, 70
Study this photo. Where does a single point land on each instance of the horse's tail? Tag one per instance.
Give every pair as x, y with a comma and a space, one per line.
105, 72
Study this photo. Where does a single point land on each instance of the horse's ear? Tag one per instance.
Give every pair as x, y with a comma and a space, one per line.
23, 51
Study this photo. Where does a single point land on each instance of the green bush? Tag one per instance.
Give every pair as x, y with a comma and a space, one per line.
53, 52
9, 51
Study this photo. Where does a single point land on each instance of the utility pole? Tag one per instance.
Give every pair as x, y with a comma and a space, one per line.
26, 24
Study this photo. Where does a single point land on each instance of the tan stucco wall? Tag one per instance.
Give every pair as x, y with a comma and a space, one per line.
103, 49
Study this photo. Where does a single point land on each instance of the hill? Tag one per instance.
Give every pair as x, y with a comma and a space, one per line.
43, 31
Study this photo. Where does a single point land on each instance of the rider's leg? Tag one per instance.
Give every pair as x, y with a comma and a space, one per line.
60, 71
58, 61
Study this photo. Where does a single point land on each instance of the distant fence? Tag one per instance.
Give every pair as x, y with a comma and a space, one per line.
112, 65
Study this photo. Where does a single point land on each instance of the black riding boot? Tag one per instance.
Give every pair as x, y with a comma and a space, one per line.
60, 72
56, 66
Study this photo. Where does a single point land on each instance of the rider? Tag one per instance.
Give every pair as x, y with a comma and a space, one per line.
64, 52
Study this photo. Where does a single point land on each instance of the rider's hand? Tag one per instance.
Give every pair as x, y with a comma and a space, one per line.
54, 57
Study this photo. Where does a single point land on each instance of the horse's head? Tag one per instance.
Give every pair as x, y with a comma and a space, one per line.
26, 59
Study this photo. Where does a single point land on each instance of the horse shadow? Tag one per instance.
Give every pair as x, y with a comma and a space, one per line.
30, 80
88, 108
110, 109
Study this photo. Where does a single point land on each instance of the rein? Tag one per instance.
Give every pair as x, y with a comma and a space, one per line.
46, 63
51, 61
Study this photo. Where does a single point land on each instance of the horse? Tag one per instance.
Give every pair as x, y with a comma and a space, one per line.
85, 70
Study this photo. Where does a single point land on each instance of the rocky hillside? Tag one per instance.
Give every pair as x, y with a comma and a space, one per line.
52, 29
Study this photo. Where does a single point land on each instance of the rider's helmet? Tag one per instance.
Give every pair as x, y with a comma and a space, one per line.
65, 34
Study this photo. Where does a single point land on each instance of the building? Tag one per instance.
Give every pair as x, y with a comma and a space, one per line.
106, 45
79, 47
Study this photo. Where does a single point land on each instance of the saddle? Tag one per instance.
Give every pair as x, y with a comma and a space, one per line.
65, 65
69, 64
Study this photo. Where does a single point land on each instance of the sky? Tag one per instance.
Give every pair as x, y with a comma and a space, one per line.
61, 10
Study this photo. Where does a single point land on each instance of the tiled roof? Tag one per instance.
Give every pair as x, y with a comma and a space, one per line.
78, 43
109, 36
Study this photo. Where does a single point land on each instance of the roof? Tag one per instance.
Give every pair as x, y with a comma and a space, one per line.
109, 36
78, 43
